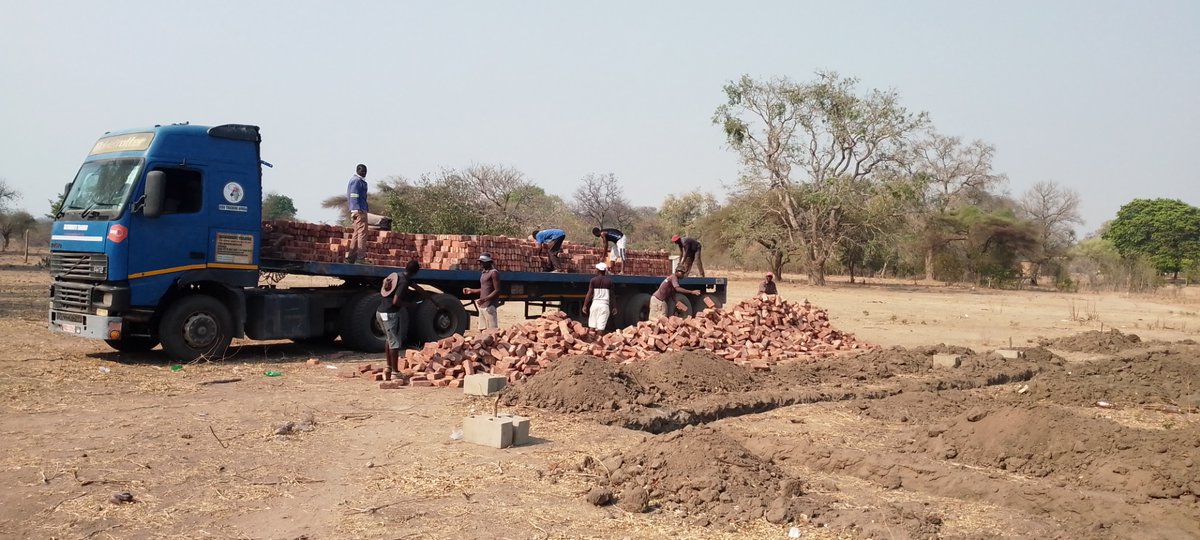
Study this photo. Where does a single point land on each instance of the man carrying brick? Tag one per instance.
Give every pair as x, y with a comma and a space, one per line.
596, 303
550, 240
393, 313
356, 200
667, 290
618, 241
488, 291
689, 253
768, 285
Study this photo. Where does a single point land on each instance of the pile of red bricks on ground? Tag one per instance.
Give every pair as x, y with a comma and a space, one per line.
757, 333
297, 241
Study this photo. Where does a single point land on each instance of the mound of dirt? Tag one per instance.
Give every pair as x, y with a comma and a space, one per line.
702, 473
1094, 341
1166, 376
1077, 449
683, 375
576, 384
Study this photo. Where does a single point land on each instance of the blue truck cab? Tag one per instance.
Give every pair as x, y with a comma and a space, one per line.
158, 242
154, 215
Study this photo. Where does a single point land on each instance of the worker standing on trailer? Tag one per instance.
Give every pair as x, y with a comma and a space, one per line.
393, 313
768, 285
488, 291
550, 240
668, 288
596, 304
618, 241
356, 201
689, 253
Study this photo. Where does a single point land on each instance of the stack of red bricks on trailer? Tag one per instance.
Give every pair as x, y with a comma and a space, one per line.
329, 243
757, 333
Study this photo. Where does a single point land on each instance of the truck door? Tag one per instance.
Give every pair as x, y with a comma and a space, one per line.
176, 241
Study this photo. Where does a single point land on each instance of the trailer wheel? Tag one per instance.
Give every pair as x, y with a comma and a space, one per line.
678, 299
196, 326
132, 344
358, 324
635, 309
438, 317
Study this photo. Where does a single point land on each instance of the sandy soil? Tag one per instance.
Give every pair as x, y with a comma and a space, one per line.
879, 446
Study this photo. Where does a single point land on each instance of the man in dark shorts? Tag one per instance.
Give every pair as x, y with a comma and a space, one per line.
393, 313
768, 285
618, 240
550, 240
488, 291
689, 253
666, 291
596, 305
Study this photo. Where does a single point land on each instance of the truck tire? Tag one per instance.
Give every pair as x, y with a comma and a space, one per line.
132, 344
196, 326
635, 308
674, 310
438, 317
358, 324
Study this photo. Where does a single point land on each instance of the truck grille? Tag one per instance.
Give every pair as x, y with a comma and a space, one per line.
75, 297
90, 266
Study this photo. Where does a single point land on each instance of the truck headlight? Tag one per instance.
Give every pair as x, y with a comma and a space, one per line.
107, 299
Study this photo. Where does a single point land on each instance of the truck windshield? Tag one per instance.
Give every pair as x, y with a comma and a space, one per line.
102, 187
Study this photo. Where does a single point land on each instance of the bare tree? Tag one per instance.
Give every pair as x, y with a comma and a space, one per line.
7, 194
504, 191
820, 150
1052, 209
601, 200
949, 174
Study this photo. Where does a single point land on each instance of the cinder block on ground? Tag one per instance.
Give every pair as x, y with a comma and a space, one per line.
1011, 354
483, 384
520, 428
488, 431
946, 360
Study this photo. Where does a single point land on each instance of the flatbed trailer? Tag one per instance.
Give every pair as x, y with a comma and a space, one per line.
159, 242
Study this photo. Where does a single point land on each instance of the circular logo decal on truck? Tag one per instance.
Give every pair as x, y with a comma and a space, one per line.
234, 193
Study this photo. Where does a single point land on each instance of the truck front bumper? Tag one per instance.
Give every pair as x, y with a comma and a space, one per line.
88, 326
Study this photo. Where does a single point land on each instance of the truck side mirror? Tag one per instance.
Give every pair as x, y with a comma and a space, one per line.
156, 192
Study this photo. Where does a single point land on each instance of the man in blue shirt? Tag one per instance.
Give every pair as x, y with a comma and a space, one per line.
551, 240
356, 200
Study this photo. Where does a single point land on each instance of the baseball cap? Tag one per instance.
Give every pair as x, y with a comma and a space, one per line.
770, 274
485, 257
601, 267
675, 238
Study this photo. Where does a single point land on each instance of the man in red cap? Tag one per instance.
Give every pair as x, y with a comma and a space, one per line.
689, 252
768, 285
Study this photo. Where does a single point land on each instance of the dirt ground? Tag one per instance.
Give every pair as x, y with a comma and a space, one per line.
882, 445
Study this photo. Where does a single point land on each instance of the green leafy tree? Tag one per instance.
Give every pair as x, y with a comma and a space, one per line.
1165, 230
818, 149
276, 206
680, 213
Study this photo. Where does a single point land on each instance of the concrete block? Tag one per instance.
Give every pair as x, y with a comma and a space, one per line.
488, 431
483, 384
946, 360
1010, 354
520, 428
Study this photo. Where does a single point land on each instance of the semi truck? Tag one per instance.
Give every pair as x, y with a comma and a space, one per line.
158, 239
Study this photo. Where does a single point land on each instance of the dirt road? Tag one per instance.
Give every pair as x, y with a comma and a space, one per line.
878, 446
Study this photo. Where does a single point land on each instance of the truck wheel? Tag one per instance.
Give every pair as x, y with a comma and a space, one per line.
438, 317
680, 298
196, 326
133, 344
635, 309
358, 324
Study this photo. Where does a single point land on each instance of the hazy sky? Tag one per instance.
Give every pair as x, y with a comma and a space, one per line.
1103, 97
